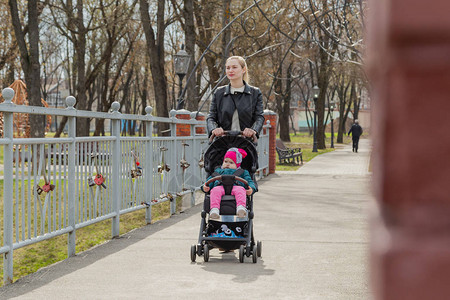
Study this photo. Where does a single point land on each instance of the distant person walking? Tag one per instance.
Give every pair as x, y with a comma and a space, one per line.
356, 131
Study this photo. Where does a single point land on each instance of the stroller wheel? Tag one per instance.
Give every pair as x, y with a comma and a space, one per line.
241, 253
259, 248
193, 253
255, 254
206, 253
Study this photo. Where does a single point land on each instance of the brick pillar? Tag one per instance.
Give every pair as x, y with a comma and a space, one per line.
183, 129
200, 117
409, 66
272, 118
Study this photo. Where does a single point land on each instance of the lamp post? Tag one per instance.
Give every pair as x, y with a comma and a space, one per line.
331, 107
182, 60
315, 91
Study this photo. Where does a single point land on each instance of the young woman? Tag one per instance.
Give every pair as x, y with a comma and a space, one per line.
236, 106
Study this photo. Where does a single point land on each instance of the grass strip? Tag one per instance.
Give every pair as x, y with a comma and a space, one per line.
29, 259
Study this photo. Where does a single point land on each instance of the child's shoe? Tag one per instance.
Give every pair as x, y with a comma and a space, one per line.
214, 213
241, 211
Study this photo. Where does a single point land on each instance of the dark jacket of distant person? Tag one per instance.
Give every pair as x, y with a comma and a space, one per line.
356, 130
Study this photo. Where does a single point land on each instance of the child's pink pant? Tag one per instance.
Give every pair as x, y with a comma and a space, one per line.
218, 191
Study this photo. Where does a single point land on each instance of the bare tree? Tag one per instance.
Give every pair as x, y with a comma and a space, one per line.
155, 48
8, 47
190, 40
205, 11
29, 58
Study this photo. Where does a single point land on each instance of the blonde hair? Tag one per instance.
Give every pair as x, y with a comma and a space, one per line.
243, 64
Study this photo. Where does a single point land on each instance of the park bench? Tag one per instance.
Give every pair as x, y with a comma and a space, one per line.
288, 155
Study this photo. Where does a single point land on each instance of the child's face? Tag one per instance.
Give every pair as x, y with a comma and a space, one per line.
228, 163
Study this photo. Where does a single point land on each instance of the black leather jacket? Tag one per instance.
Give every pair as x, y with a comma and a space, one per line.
249, 105
356, 130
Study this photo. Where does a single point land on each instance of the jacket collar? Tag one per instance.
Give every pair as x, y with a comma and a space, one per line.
246, 89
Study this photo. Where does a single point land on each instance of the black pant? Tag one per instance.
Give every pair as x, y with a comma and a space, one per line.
355, 140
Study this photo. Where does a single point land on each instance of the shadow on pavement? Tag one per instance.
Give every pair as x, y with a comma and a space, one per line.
228, 264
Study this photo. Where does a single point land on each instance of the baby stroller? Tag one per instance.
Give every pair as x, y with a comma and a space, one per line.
230, 233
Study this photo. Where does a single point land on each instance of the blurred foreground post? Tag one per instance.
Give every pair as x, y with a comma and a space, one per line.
409, 65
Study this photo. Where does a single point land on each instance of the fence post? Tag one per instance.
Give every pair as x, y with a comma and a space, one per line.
173, 159
116, 175
195, 151
148, 170
183, 130
72, 184
272, 117
8, 95
199, 117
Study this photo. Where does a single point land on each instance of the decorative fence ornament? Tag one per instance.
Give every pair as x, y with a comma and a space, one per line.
183, 162
137, 171
163, 166
47, 187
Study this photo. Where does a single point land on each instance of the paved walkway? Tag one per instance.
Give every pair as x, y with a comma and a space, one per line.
312, 223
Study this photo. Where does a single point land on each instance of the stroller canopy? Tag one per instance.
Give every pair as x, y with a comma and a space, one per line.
217, 149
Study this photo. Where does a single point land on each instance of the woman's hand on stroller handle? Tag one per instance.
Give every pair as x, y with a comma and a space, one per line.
217, 132
247, 133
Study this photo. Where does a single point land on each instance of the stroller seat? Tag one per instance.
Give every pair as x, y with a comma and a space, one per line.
228, 201
227, 205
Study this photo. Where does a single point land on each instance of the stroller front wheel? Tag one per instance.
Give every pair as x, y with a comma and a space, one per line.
193, 253
206, 253
255, 254
241, 253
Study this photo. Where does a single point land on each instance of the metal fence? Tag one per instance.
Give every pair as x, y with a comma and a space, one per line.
54, 186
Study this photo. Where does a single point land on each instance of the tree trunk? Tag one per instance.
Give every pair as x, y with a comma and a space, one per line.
356, 104
10, 76
80, 52
285, 105
280, 97
309, 120
103, 97
144, 99
29, 58
155, 47
343, 115
226, 35
191, 97
320, 105
204, 15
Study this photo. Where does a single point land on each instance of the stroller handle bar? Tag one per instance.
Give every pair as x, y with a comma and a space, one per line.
233, 133
220, 178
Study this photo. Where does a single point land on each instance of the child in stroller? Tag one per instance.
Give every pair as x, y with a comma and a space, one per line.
230, 166
228, 232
